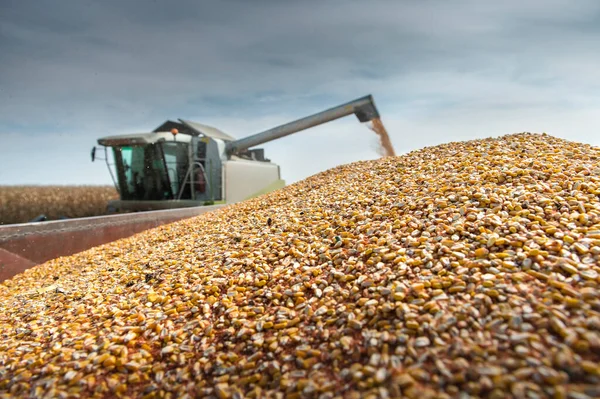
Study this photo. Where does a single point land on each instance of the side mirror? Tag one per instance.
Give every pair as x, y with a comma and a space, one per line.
93, 153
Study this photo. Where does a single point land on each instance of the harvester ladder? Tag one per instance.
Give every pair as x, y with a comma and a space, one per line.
186, 181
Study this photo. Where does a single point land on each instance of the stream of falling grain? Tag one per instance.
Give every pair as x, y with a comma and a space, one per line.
384, 139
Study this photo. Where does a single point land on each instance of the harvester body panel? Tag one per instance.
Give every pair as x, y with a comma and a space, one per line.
243, 178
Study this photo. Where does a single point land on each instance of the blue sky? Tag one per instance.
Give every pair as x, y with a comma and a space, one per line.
75, 70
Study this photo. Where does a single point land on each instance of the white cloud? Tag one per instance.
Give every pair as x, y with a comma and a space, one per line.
439, 71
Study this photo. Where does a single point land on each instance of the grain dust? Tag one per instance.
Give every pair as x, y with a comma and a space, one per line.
386, 148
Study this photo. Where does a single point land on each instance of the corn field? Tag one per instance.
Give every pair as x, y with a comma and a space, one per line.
21, 204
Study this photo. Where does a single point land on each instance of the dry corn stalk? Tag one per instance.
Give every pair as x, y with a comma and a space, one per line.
465, 269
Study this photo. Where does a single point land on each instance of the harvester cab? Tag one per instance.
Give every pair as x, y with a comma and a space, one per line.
176, 165
184, 163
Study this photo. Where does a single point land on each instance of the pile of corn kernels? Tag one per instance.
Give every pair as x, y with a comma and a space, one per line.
469, 269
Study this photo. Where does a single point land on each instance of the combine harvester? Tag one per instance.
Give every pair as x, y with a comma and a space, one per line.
180, 170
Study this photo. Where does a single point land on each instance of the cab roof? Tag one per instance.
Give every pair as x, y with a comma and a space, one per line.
186, 129
143, 139
206, 130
